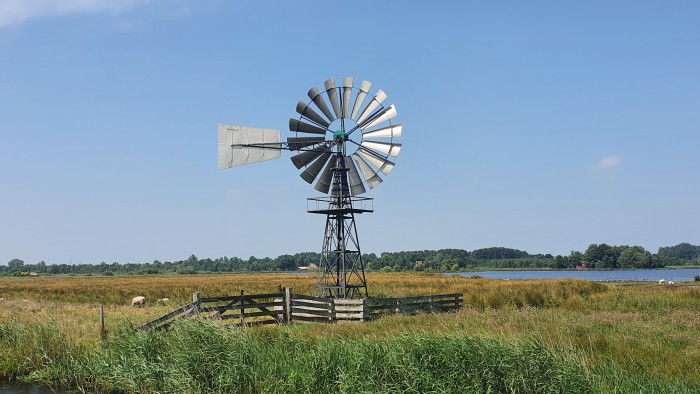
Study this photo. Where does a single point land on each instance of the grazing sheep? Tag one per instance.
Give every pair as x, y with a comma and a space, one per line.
163, 300
662, 281
2, 299
671, 283
139, 301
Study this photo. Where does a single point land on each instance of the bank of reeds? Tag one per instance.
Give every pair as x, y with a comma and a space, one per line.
201, 357
26, 349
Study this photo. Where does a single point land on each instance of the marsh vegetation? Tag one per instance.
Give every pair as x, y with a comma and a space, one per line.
511, 336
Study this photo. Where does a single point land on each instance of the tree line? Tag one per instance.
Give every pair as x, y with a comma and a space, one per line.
600, 256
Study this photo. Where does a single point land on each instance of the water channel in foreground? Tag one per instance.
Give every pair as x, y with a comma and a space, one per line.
676, 275
23, 388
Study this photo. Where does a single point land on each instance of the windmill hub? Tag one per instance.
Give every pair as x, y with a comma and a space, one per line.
340, 135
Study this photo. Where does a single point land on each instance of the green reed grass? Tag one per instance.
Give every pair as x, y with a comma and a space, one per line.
25, 349
203, 357
200, 357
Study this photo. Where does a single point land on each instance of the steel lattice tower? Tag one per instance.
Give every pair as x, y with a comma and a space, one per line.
342, 272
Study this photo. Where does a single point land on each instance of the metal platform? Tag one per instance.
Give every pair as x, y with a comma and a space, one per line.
326, 205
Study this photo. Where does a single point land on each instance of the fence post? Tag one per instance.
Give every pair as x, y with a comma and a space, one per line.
364, 308
331, 308
242, 309
196, 302
103, 333
288, 305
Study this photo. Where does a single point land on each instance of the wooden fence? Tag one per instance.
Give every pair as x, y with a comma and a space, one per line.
285, 308
412, 305
372, 308
240, 310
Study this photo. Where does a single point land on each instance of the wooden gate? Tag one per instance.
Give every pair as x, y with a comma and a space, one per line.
311, 309
239, 310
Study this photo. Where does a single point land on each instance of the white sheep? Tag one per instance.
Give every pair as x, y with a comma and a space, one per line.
163, 300
671, 283
139, 301
662, 281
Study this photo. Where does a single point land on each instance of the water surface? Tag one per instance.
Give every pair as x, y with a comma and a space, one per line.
23, 388
679, 275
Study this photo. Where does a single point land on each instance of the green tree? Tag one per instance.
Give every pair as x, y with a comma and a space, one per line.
576, 258
561, 262
634, 257
15, 265
683, 253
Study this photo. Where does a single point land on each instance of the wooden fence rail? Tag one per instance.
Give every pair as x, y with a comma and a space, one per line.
311, 309
286, 307
166, 320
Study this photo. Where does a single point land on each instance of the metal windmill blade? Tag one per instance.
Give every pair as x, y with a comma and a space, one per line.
306, 157
332, 93
356, 185
364, 89
347, 95
305, 111
312, 170
384, 132
315, 96
372, 106
303, 127
383, 147
371, 176
384, 165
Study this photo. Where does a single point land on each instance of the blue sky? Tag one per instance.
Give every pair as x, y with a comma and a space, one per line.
544, 126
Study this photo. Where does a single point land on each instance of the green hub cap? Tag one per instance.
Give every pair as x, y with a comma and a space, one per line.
340, 135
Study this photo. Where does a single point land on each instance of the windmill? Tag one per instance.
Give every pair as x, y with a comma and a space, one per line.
341, 150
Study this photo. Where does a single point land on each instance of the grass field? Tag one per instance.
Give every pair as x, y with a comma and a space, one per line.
601, 337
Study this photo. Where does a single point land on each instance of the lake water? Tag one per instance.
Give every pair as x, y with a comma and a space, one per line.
679, 275
18, 388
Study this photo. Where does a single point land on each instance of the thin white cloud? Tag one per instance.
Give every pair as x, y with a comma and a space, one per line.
15, 12
608, 162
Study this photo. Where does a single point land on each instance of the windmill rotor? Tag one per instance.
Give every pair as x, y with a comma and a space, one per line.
336, 113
